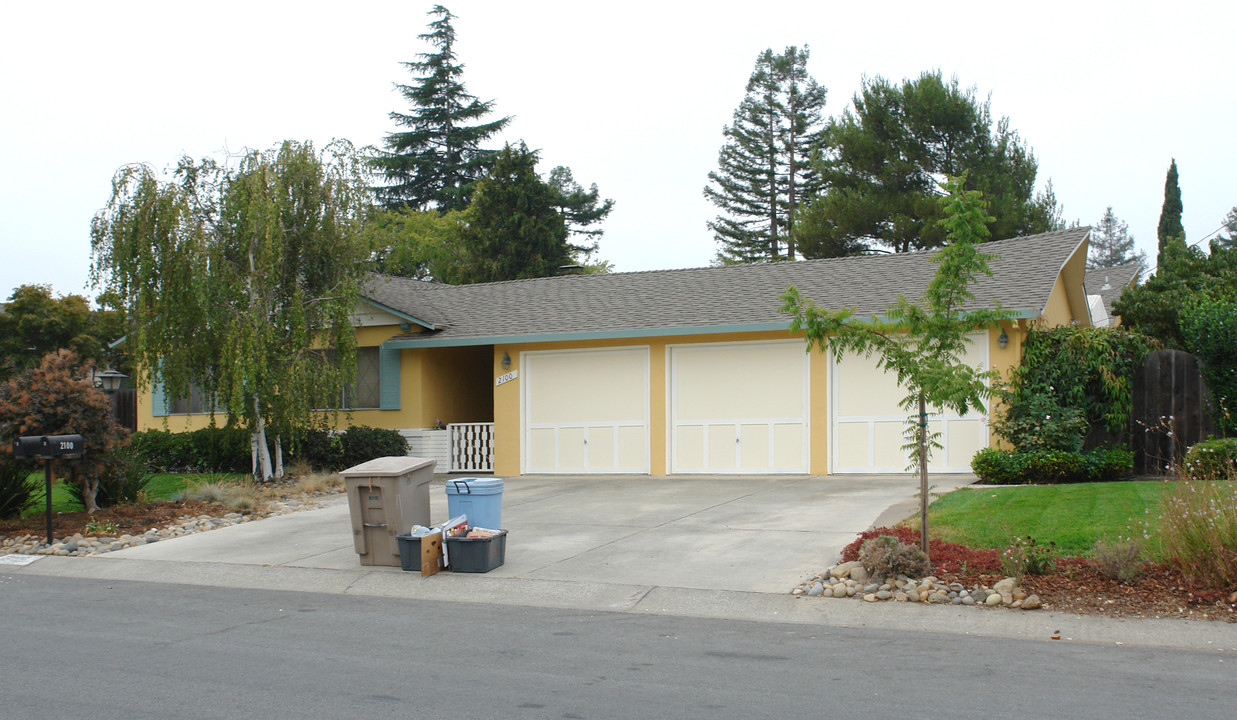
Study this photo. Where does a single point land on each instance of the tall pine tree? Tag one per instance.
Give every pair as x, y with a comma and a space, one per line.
435, 161
1113, 245
1170, 229
763, 166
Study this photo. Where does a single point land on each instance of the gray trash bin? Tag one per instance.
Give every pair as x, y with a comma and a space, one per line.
386, 497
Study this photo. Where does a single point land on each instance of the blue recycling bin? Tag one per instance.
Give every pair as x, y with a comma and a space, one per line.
481, 499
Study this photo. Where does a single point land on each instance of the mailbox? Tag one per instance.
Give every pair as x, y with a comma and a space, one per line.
49, 446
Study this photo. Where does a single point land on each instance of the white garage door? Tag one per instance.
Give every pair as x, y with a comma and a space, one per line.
739, 408
867, 425
586, 411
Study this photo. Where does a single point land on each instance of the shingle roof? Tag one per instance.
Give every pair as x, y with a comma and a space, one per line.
1109, 282
710, 299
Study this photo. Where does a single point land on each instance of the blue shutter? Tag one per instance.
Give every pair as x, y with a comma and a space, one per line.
158, 400
388, 378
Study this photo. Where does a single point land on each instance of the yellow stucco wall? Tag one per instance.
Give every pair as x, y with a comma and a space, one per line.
440, 383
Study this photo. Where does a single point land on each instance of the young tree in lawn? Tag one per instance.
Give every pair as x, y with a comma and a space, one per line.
1170, 229
58, 398
435, 160
231, 278
883, 162
1113, 245
923, 344
763, 167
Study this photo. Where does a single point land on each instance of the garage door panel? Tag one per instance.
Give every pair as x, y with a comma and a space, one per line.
541, 447
887, 445
964, 442
571, 448
754, 447
601, 449
689, 447
788, 445
852, 445
632, 451
706, 379
721, 447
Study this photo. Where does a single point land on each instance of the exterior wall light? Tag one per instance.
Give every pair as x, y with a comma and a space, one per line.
506, 361
1003, 340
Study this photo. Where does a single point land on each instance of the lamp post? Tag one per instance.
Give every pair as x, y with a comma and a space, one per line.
109, 381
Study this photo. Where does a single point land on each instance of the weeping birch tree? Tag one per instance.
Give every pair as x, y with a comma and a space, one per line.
922, 343
236, 276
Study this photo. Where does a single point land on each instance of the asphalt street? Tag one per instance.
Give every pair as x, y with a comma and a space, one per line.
105, 648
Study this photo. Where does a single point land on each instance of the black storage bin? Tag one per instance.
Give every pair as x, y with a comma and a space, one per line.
409, 552
477, 555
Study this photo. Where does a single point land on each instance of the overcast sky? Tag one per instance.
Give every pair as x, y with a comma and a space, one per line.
630, 95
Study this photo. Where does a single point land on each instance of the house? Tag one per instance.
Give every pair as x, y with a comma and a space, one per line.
681, 371
1104, 286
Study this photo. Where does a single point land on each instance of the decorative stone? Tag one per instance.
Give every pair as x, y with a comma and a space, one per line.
968, 600
938, 598
901, 597
883, 594
843, 570
1032, 603
1006, 589
815, 590
870, 597
993, 600
859, 574
1019, 593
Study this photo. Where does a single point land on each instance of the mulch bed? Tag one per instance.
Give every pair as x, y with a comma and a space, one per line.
128, 519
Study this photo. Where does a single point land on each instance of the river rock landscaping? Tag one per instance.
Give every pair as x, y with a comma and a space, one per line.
851, 580
133, 525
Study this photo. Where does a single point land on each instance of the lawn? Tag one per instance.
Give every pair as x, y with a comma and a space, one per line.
1072, 516
161, 487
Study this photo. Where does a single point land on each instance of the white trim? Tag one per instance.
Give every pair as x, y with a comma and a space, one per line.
525, 425
673, 422
982, 341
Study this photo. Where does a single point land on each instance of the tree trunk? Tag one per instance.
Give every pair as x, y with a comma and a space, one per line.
90, 490
278, 456
923, 476
259, 437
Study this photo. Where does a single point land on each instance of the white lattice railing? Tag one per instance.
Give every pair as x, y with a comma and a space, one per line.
472, 447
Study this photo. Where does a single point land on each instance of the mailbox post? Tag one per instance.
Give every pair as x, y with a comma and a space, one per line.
49, 448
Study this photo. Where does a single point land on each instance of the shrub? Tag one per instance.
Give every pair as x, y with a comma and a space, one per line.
1212, 458
57, 398
1067, 373
361, 444
123, 480
1198, 530
945, 557
888, 557
1119, 559
1012, 467
1025, 557
17, 488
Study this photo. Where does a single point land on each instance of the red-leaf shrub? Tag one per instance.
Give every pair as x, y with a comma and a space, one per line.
945, 557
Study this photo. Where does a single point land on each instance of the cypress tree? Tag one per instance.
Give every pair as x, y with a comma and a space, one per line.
763, 166
434, 163
1170, 214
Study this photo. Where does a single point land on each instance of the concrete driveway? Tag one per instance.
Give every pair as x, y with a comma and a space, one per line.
755, 534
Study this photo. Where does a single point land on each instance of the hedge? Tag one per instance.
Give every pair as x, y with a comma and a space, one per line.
1213, 458
1048, 467
227, 449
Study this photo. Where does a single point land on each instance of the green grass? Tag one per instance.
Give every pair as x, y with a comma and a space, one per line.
1072, 516
161, 487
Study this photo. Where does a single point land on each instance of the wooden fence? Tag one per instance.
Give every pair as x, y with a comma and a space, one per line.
1172, 410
